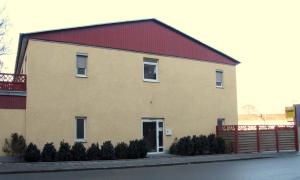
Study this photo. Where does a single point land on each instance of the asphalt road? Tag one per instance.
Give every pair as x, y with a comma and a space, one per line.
284, 168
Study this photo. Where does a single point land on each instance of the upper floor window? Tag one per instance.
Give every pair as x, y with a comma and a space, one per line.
80, 129
219, 78
151, 70
81, 65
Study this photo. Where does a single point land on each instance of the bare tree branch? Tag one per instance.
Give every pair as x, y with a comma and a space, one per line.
3, 31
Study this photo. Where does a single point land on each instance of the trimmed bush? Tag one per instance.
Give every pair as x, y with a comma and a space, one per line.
142, 148
198, 145
137, 149
15, 146
121, 150
212, 144
185, 146
49, 152
32, 153
221, 145
133, 149
93, 152
78, 152
107, 151
173, 148
64, 152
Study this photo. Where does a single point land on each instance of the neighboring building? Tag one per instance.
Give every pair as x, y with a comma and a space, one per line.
264, 119
297, 114
117, 82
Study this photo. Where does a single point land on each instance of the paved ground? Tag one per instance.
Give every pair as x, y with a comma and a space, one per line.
6, 168
280, 168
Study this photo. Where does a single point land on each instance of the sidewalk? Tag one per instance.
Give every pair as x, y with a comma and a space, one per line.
162, 160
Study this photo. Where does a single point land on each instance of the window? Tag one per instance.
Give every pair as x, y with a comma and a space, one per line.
150, 70
80, 129
220, 121
219, 78
81, 65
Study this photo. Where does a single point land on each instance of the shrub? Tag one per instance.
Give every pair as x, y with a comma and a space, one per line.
133, 149
212, 144
93, 152
137, 149
64, 152
78, 152
221, 145
200, 144
32, 153
121, 150
173, 148
49, 152
196, 145
185, 146
142, 149
107, 151
15, 146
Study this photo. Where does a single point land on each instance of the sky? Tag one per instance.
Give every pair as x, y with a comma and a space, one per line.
264, 35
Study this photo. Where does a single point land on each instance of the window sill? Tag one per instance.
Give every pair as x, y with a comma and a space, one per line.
81, 76
151, 80
219, 87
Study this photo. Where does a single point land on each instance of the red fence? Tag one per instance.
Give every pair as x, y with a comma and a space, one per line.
259, 138
12, 82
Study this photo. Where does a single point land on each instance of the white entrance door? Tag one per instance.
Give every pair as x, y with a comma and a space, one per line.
153, 131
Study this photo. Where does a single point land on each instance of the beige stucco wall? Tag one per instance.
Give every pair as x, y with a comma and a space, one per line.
114, 97
12, 121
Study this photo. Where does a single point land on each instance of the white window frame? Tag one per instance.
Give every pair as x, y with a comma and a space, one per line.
82, 75
222, 82
84, 128
150, 61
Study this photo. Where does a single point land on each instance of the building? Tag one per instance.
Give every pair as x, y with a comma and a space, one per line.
118, 82
264, 119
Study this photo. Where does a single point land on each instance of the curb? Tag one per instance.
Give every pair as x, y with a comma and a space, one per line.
131, 166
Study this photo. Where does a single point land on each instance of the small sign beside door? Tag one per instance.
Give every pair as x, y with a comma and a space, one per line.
168, 132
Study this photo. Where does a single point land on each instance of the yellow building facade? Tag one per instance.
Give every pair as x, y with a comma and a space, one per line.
113, 100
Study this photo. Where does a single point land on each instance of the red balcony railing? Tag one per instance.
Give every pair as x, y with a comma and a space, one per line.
12, 82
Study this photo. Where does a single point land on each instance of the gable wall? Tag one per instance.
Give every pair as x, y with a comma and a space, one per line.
114, 97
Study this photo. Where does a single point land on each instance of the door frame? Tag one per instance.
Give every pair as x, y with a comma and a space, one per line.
156, 120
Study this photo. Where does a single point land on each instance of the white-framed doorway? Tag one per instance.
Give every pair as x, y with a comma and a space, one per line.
153, 134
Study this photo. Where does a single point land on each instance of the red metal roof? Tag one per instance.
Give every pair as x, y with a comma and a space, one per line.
149, 36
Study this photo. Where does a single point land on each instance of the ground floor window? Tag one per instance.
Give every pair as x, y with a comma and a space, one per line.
80, 129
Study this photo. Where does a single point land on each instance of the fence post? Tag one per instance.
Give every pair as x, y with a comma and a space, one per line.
296, 137
236, 148
257, 139
277, 138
